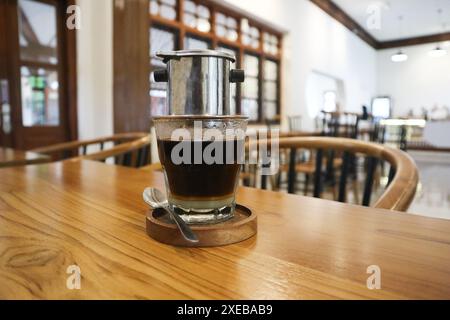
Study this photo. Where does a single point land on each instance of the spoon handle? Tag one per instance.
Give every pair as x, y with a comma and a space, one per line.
150, 197
185, 230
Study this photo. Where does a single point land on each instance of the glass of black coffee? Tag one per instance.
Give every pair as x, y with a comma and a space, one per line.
201, 157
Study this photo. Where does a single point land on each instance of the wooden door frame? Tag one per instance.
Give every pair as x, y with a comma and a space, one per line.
67, 70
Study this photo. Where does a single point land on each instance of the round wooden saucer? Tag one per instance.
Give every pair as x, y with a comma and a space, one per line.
241, 227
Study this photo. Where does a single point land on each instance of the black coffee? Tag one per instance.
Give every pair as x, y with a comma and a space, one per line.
191, 180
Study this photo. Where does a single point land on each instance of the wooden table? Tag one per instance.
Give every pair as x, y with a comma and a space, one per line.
11, 157
91, 215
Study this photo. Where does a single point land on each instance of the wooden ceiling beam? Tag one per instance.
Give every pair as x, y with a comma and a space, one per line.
435, 38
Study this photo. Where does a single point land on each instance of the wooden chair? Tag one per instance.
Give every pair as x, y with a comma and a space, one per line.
295, 123
135, 154
273, 122
72, 149
403, 176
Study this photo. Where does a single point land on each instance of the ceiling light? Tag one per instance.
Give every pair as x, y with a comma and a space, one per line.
399, 57
437, 52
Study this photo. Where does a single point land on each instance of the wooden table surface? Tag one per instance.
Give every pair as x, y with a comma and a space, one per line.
11, 157
91, 215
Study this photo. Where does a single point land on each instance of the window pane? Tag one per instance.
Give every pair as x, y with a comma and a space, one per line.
189, 6
250, 88
221, 31
250, 109
40, 98
221, 19
194, 43
203, 25
251, 65
154, 7
246, 40
270, 70
226, 27
164, 8
270, 110
197, 16
168, 12
203, 12
231, 23
270, 94
232, 35
37, 30
190, 20
270, 90
270, 43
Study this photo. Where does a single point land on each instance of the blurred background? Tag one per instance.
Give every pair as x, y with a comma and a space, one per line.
81, 69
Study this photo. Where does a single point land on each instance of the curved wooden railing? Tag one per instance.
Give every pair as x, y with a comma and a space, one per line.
403, 177
132, 154
72, 149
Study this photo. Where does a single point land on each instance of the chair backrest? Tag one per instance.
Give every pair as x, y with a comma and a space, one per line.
403, 176
272, 122
340, 124
134, 154
295, 123
72, 149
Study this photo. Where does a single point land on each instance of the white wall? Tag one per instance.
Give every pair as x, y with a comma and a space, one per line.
421, 81
95, 69
317, 42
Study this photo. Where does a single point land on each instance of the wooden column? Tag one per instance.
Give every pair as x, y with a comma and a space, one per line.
131, 66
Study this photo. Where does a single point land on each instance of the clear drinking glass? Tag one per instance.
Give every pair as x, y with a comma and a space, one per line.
201, 157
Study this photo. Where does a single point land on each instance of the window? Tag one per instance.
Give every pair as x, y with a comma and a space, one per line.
203, 24
38, 63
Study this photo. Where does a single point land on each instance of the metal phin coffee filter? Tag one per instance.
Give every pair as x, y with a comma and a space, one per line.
198, 81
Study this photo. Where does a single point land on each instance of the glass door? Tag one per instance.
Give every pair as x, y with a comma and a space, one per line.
39, 71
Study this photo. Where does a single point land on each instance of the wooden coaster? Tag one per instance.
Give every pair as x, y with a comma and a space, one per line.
241, 227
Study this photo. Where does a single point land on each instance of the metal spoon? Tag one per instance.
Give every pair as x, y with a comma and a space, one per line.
156, 199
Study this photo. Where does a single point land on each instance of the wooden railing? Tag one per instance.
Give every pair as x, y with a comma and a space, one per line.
72, 149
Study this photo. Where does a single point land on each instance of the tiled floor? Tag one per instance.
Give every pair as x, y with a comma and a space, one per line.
433, 193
